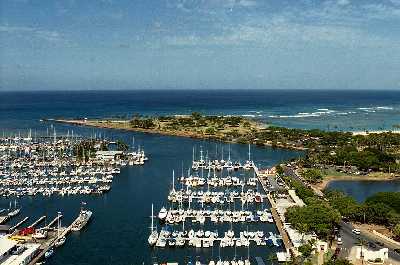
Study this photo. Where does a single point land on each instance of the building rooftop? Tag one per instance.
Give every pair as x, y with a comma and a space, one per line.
24, 257
6, 245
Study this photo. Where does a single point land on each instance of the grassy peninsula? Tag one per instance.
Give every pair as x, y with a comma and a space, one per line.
328, 153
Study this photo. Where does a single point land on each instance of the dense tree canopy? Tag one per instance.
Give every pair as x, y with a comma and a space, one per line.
317, 216
391, 199
381, 208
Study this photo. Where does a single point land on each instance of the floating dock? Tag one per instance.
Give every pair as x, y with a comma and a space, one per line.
38, 221
53, 222
19, 223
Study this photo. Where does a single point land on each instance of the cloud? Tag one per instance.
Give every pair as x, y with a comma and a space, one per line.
381, 11
332, 24
284, 34
204, 5
47, 35
343, 2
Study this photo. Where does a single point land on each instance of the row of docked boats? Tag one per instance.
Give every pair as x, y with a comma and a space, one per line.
204, 163
206, 239
228, 181
176, 216
215, 197
60, 166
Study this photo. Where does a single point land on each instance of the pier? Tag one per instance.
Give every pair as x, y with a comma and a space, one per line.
19, 223
53, 221
285, 237
51, 243
4, 219
38, 221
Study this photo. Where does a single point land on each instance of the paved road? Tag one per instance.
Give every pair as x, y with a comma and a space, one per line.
291, 173
350, 240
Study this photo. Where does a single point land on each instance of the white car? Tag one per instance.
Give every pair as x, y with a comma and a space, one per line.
356, 231
339, 241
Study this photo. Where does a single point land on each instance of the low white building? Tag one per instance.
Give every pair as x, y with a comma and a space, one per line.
372, 255
108, 155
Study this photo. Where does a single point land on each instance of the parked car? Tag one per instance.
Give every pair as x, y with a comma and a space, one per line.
356, 231
339, 241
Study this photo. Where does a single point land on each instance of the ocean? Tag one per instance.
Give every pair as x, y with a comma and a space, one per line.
120, 226
329, 110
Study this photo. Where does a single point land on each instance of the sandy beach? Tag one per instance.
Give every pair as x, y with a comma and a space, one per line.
375, 131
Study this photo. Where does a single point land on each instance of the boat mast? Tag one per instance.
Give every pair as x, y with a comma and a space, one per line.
152, 214
173, 180
58, 224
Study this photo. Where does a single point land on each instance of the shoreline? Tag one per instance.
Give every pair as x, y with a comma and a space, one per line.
102, 124
325, 182
374, 132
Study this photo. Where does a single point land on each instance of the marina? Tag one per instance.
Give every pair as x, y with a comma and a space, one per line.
125, 186
60, 166
219, 205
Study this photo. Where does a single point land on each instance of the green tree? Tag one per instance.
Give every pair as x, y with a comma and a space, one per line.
122, 146
196, 115
396, 231
312, 175
210, 130
338, 261
316, 216
279, 170
306, 250
347, 206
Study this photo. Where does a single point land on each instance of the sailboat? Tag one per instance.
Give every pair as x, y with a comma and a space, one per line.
249, 163
16, 210
154, 234
60, 240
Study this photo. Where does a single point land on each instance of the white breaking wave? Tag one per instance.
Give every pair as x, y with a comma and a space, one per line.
375, 109
328, 112
318, 113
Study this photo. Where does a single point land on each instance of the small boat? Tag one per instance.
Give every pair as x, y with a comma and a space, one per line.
49, 253
60, 241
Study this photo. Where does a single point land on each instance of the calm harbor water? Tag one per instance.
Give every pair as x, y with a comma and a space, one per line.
120, 226
361, 190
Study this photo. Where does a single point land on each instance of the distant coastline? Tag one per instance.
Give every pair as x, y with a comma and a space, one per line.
123, 124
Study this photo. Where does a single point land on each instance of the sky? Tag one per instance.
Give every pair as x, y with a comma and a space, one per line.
198, 44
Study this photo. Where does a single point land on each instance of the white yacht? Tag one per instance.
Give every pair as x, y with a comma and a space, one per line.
163, 213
